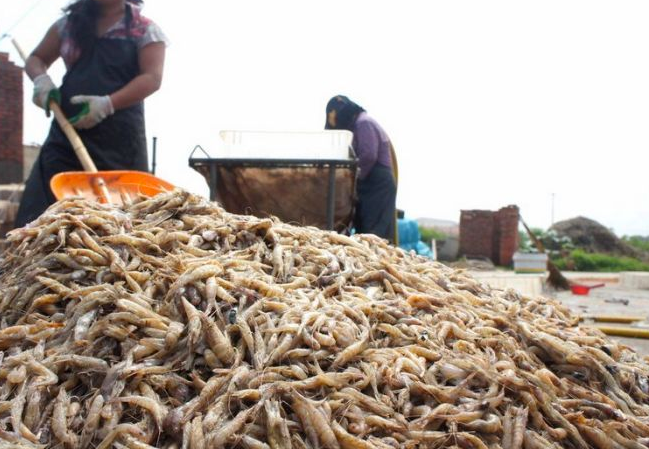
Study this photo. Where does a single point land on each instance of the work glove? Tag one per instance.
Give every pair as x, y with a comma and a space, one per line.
94, 109
45, 91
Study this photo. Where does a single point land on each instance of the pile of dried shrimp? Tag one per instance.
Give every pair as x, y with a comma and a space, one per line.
170, 323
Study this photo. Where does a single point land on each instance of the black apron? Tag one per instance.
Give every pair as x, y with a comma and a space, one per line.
376, 206
117, 143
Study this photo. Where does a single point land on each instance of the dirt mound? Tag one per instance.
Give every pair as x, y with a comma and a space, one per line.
593, 237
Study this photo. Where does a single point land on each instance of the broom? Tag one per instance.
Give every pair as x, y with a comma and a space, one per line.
556, 279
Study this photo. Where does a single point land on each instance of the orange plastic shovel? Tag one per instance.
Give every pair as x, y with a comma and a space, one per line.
112, 186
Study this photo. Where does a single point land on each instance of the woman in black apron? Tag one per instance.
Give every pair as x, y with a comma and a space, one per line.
376, 188
114, 58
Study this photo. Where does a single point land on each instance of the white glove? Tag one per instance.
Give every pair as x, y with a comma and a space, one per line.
44, 91
94, 111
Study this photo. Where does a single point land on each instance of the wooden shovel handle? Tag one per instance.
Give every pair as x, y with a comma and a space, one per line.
76, 142
80, 149
68, 129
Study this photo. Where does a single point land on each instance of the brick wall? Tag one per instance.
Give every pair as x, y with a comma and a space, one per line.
476, 233
484, 233
11, 121
508, 239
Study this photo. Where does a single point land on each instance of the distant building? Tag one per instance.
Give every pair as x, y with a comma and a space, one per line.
446, 247
447, 227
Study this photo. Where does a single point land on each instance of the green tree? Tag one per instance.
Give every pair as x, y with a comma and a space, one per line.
430, 234
525, 243
637, 241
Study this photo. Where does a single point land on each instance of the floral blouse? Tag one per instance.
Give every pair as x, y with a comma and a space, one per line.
142, 30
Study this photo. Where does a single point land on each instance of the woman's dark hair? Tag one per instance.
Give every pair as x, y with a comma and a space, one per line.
346, 112
82, 17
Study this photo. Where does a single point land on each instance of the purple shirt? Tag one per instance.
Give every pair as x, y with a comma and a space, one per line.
371, 144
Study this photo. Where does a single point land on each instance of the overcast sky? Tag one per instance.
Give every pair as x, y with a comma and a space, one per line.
488, 103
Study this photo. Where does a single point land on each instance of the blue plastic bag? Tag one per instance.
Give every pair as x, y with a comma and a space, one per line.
410, 238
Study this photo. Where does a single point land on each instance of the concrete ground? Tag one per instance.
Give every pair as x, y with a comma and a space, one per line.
611, 300
616, 298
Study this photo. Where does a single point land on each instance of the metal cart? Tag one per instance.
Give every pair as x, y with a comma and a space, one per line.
311, 191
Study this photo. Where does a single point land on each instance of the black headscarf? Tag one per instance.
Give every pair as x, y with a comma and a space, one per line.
346, 112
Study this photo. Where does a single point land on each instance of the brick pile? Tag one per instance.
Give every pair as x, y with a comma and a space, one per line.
491, 234
508, 239
476, 233
11, 121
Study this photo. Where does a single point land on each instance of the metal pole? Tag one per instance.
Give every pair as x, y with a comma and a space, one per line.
552, 218
155, 152
213, 174
331, 196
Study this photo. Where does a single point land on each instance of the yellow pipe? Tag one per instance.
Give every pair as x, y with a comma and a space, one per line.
612, 318
624, 331
395, 173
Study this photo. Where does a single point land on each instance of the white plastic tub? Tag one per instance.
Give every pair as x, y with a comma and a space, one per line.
530, 262
330, 144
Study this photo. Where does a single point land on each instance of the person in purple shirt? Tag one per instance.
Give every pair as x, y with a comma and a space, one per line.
376, 188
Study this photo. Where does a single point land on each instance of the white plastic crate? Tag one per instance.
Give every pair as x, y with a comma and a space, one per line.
530, 262
332, 144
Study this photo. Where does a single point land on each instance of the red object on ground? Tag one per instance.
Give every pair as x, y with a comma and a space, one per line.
578, 289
